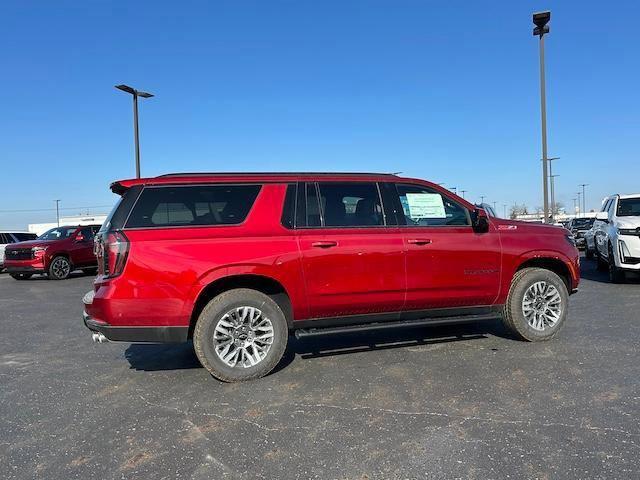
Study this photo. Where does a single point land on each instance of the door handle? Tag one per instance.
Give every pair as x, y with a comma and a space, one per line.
324, 244
419, 241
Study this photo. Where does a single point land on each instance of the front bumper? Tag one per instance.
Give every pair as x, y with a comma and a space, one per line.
132, 334
33, 265
628, 252
23, 269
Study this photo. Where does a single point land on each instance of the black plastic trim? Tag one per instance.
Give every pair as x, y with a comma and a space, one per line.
138, 334
451, 315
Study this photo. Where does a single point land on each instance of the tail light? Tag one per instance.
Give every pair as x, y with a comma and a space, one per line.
111, 250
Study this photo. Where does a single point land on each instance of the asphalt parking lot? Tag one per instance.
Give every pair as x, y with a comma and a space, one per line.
454, 402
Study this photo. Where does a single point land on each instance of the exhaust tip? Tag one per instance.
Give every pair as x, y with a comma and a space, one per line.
98, 337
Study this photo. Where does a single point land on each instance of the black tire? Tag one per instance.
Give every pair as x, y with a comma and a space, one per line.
21, 276
513, 316
616, 275
59, 268
215, 310
90, 271
588, 252
602, 264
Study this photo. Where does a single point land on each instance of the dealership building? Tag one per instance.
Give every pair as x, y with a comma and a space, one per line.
40, 228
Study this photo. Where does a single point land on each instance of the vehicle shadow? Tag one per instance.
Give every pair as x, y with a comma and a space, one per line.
589, 271
41, 276
157, 357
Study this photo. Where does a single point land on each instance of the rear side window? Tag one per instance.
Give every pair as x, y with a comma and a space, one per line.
193, 205
22, 237
350, 204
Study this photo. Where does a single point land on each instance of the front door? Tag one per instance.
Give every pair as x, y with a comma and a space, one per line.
353, 260
448, 263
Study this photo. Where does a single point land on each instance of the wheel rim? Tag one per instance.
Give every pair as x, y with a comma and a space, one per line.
542, 306
242, 337
60, 267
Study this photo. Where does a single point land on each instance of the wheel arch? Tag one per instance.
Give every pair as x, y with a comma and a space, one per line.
261, 283
554, 264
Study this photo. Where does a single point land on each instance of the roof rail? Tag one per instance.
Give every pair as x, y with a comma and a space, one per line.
233, 174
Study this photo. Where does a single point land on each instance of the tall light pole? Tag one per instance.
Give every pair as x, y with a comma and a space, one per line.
541, 19
454, 189
57, 211
553, 196
463, 192
578, 193
135, 93
574, 206
584, 201
481, 199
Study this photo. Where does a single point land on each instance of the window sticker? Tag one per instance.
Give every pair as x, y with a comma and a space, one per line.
425, 205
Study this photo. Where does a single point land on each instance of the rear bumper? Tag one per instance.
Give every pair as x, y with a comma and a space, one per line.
133, 334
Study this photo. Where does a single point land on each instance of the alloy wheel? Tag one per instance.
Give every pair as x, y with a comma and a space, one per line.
542, 305
242, 337
61, 267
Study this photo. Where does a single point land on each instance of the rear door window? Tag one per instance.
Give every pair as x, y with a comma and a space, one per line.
350, 204
197, 205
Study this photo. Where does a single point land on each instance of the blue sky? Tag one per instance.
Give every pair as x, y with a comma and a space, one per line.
442, 90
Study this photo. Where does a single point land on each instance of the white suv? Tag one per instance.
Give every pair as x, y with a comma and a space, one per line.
617, 235
11, 236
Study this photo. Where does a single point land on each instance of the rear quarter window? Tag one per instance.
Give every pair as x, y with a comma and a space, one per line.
198, 205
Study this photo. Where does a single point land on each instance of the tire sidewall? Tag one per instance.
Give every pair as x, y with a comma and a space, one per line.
218, 307
518, 320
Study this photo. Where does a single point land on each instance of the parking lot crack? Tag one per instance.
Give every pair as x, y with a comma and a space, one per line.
463, 418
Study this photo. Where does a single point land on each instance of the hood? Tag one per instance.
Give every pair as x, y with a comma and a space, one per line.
628, 222
31, 244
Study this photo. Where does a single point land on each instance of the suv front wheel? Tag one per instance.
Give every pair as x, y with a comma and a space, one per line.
240, 335
537, 304
60, 268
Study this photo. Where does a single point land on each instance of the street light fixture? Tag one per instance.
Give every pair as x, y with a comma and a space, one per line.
541, 20
135, 93
463, 192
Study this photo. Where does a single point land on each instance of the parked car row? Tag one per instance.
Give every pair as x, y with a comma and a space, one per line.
614, 237
235, 262
56, 253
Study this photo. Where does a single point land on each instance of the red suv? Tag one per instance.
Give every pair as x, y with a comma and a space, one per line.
237, 261
57, 252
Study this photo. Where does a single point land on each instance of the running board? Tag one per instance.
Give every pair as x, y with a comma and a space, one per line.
313, 332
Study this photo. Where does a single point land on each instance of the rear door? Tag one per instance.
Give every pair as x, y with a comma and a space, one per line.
448, 263
353, 259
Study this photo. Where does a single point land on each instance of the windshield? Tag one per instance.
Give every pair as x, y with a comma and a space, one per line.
583, 223
57, 233
628, 207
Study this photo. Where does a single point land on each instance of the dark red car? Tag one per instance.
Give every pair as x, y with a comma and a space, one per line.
237, 261
57, 252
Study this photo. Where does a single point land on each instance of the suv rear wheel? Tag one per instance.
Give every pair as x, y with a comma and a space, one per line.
537, 304
240, 335
60, 268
